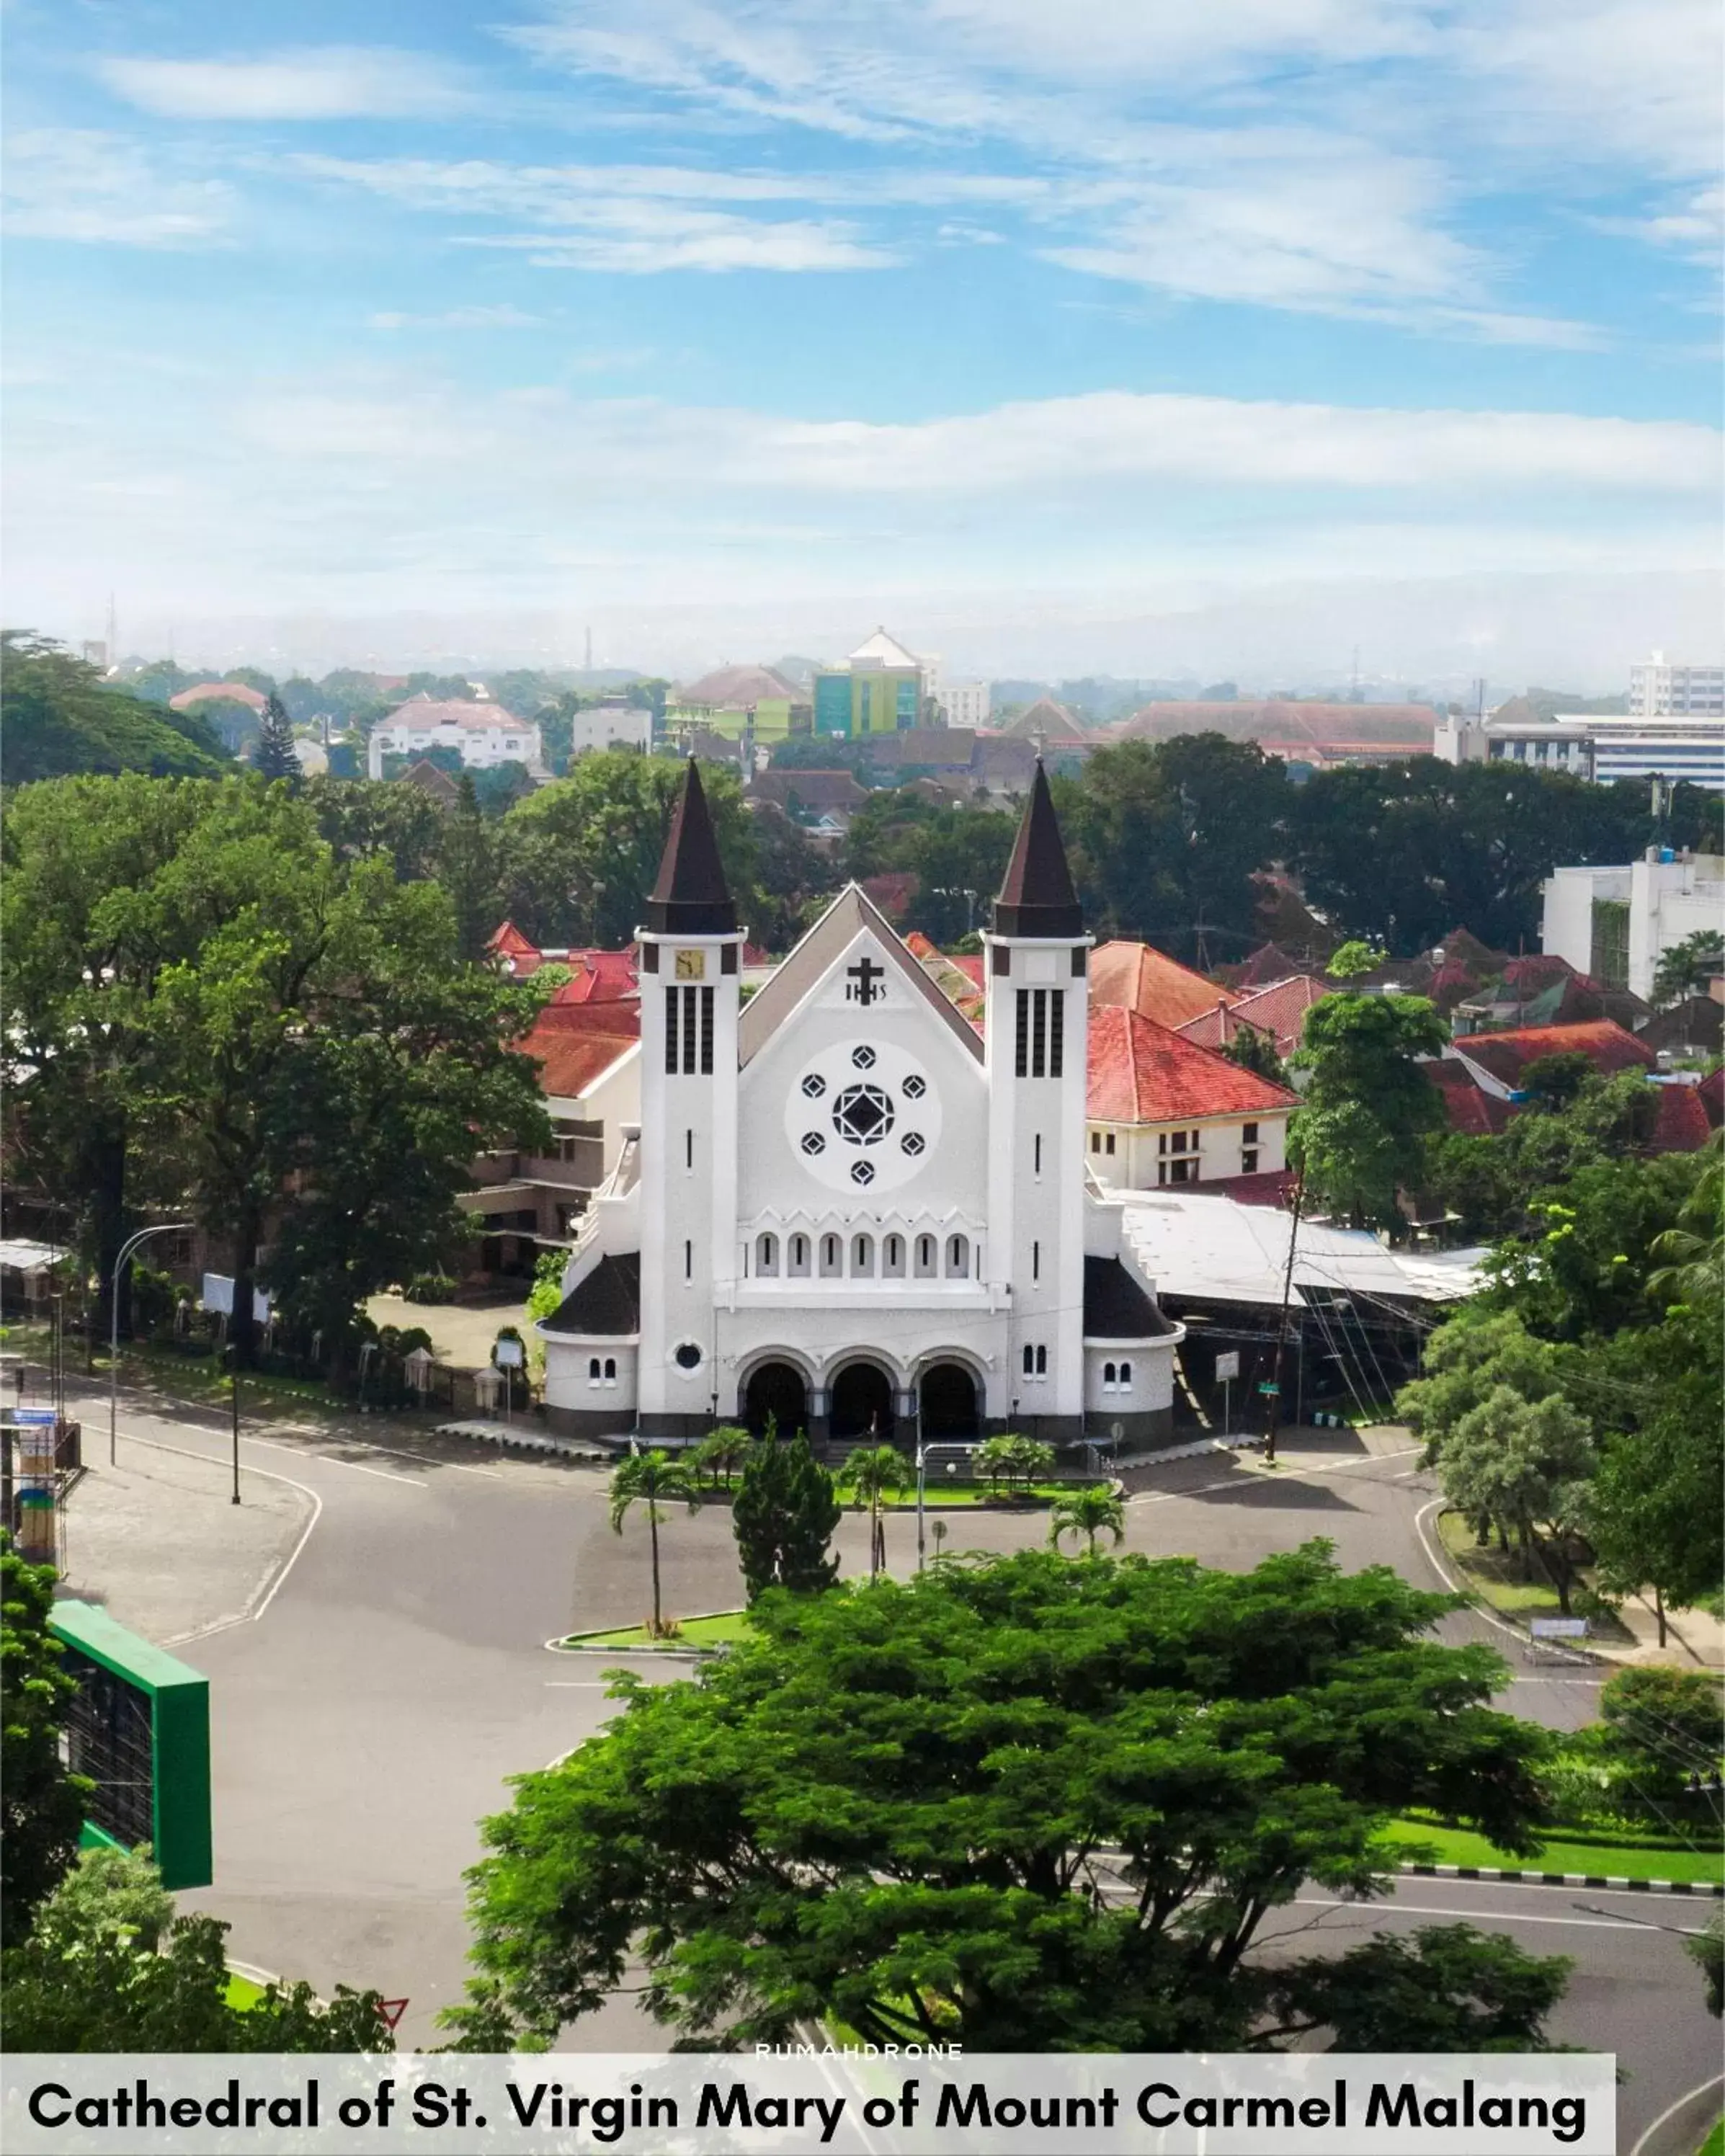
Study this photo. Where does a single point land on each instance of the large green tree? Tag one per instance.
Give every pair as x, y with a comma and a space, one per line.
273, 754
1021, 1804
785, 1513
41, 1803
1359, 1137
59, 716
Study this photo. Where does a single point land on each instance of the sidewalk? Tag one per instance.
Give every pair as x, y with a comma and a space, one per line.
159, 1543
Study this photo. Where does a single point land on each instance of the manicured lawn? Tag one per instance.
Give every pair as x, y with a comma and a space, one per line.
1714, 2145
242, 1993
723, 1630
939, 1496
1444, 1845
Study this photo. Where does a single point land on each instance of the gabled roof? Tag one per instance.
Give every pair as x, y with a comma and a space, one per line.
1137, 977
205, 692
1505, 1055
850, 913
598, 978
881, 649
951, 748
1712, 1093
1043, 717
691, 896
1144, 1073
571, 1052
1269, 963
810, 789
1037, 898
740, 688
1470, 1108
420, 710
1116, 1307
606, 1304
431, 779
1681, 1124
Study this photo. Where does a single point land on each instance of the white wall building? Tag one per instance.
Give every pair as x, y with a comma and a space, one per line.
1616, 923
484, 734
1601, 747
1657, 691
965, 703
611, 725
844, 1210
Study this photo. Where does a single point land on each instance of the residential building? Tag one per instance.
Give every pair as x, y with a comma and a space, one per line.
1616, 923
1137, 977
1547, 744
1598, 746
485, 735
611, 724
1480, 1079
823, 802
1657, 689
1277, 1011
842, 1209
735, 701
1162, 1111
1310, 733
1498, 1062
880, 688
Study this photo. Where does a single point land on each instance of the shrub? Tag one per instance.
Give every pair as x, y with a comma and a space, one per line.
430, 1287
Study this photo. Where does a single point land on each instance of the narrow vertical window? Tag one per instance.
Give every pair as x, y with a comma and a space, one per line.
1021, 1063
1042, 1361
610, 1369
1107, 1373
1036, 1261
1038, 1153
592, 1371
1057, 1032
673, 1003
688, 1261
1126, 1373
1038, 1032
688, 1148
706, 1033
689, 1007
1029, 1362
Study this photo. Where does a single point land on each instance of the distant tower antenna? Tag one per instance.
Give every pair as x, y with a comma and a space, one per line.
1354, 679
113, 633
588, 667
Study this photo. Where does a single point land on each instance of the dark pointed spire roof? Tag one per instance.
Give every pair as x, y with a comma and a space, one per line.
1037, 898
692, 897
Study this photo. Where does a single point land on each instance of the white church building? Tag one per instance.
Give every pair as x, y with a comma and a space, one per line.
843, 1209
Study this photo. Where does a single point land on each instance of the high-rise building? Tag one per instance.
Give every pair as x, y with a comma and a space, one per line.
1659, 691
878, 689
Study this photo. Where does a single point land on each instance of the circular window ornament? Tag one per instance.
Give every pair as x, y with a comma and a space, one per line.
814, 1143
814, 1085
687, 1354
863, 1057
863, 1114
912, 1142
916, 1085
862, 1171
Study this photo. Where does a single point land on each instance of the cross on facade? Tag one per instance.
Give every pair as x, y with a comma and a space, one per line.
861, 979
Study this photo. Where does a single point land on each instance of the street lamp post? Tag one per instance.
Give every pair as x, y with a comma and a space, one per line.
233, 1356
131, 1244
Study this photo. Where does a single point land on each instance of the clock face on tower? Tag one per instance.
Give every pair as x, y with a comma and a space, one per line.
691, 965
862, 1117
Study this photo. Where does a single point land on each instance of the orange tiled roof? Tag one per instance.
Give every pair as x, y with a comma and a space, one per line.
1137, 977
1140, 1072
1605, 1044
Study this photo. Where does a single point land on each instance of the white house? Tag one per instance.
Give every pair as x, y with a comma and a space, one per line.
611, 725
1164, 1112
485, 734
841, 1207
1616, 923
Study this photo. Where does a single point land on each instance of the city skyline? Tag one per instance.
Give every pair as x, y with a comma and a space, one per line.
1215, 346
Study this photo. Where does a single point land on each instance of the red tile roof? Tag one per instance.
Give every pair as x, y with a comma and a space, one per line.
572, 1051
1140, 1072
235, 692
1137, 977
599, 977
1278, 1011
1471, 1109
1683, 1124
1505, 1055
1711, 1090
454, 710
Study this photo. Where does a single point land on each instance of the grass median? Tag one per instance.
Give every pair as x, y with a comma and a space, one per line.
1421, 1842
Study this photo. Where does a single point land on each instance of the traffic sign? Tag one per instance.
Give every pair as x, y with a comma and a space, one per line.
1268, 1389
1228, 1366
392, 2010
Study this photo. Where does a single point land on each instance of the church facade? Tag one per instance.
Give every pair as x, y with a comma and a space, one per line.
841, 1209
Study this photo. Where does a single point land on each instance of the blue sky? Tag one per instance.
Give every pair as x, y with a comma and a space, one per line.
1139, 336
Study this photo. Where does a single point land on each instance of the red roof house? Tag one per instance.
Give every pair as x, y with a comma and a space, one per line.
1163, 1111
1498, 1060
1139, 978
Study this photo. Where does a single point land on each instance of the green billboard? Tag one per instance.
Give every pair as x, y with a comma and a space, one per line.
139, 1729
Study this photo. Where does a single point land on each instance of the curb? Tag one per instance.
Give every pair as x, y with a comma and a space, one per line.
1702, 1887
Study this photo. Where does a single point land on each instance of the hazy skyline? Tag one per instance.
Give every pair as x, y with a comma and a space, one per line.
1219, 341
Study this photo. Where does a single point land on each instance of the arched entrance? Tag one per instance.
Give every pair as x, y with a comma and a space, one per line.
862, 1410
776, 1390
949, 1402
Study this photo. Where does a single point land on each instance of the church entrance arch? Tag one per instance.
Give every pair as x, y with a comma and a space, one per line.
949, 1402
861, 1411
776, 1391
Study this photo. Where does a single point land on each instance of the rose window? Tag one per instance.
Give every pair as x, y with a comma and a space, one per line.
863, 1114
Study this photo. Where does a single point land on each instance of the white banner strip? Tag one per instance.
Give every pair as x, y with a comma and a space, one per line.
852, 2103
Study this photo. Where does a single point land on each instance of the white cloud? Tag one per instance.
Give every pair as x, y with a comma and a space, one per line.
78, 185
327, 82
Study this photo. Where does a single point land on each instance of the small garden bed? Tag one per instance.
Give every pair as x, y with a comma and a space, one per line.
723, 1628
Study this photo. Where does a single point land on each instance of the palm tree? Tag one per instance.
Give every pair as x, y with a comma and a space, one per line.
649, 1477
723, 1453
1690, 1253
1089, 1512
872, 1474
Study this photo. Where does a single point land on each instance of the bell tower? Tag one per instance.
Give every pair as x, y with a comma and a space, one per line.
1036, 1049
690, 974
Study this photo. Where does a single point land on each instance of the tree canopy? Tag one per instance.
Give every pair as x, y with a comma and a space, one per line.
41, 1802
59, 716
1359, 1138
1022, 1804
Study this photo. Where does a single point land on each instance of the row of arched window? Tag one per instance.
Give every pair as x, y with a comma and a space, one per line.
1116, 1377
601, 1372
862, 1257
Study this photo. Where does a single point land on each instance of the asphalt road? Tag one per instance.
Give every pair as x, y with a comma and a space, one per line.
372, 1710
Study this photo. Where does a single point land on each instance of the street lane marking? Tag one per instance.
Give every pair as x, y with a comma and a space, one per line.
1373, 1909
326, 1460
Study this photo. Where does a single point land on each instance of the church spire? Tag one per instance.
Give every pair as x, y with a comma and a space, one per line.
692, 897
1037, 898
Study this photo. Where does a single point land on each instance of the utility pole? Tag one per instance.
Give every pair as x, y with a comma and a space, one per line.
234, 1353
1282, 1330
